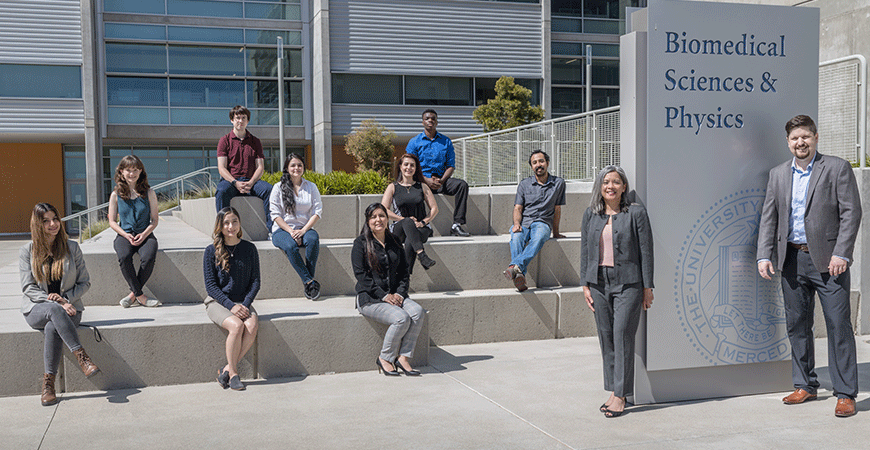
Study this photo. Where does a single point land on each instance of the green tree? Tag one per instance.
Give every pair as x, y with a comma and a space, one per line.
371, 146
510, 108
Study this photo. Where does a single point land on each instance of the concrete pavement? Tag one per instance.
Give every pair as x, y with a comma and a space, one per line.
515, 395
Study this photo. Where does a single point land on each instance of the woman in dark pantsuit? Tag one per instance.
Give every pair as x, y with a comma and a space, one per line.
617, 276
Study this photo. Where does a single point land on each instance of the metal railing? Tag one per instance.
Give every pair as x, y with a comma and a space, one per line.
100, 212
578, 145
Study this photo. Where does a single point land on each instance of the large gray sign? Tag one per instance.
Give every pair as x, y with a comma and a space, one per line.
713, 85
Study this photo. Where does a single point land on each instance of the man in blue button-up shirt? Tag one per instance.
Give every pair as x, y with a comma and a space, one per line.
809, 223
437, 161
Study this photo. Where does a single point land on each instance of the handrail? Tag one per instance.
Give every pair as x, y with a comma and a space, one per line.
542, 123
176, 180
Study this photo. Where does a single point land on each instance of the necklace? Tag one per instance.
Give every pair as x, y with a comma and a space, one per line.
231, 249
407, 188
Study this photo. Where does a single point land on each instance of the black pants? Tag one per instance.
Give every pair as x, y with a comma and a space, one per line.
147, 251
412, 237
459, 189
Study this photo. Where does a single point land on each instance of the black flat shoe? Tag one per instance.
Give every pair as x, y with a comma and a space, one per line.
389, 373
611, 414
410, 373
603, 407
223, 379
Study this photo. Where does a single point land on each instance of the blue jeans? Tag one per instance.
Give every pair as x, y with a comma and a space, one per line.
311, 242
225, 192
527, 243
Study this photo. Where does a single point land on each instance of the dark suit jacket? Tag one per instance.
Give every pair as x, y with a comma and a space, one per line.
393, 278
632, 247
833, 212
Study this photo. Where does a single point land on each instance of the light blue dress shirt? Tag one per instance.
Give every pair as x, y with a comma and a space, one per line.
800, 181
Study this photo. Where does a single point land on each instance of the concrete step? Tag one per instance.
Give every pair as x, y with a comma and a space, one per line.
462, 264
487, 213
178, 344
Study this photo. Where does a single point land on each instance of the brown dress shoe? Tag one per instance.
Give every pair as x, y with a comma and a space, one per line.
798, 396
845, 407
88, 367
48, 396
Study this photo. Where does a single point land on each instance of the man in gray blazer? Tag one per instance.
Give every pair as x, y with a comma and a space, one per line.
810, 219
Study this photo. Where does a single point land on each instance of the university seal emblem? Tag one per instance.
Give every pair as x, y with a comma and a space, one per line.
726, 310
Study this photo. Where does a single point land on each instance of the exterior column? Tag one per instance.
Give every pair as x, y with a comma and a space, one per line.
93, 139
546, 64
321, 83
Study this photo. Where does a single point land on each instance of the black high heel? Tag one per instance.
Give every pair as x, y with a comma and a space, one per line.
389, 373
410, 373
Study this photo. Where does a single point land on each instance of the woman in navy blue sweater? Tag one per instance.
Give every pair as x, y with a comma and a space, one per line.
231, 268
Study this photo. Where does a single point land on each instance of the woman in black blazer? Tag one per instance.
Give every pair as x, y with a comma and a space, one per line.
617, 276
381, 272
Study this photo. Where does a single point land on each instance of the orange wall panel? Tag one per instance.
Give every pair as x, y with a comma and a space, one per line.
30, 174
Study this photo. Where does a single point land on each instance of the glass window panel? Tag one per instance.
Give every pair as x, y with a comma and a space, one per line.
566, 25
78, 199
437, 91
604, 98
74, 162
295, 118
601, 26
367, 89
134, 6
484, 89
206, 93
569, 71
204, 8
190, 59
26, 80
605, 72
263, 62
199, 116
270, 117
613, 9
264, 94
136, 91
268, 37
578, 49
532, 85
135, 58
187, 152
118, 153
272, 11
180, 166
146, 152
568, 7
568, 100
122, 114
135, 31
206, 34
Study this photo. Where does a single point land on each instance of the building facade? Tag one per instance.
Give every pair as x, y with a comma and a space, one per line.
85, 82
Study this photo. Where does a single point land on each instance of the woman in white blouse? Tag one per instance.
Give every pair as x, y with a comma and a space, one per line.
295, 208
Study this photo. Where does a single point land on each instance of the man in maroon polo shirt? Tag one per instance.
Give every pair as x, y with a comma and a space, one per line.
241, 163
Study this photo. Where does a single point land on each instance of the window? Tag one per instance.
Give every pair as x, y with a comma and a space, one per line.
438, 91
136, 58
367, 89
484, 89
256, 9
27, 80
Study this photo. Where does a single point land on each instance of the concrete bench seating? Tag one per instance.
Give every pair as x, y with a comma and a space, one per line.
489, 213
177, 344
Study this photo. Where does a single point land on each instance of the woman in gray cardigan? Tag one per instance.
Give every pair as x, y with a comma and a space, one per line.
617, 276
53, 280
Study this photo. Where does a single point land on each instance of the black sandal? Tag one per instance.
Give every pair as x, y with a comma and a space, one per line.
611, 414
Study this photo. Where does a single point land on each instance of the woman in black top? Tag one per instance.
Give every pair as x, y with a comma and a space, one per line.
231, 268
406, 202
382, 291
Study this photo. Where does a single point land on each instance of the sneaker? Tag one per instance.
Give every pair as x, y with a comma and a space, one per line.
425, 260
224, 379
458, 231
514, 274
127, 301
312, 290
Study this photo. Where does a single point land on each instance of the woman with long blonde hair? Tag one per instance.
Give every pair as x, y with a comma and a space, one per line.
133, 215
53, 280
231, 268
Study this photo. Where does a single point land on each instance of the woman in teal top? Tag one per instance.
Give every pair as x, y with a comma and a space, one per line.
133, 215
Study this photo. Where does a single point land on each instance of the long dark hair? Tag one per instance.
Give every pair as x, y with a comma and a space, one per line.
287, 195
44, 248
121, 186
370, 237
221, 255
418, 173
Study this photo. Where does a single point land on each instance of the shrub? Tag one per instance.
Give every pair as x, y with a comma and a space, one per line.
340, 183
371, 147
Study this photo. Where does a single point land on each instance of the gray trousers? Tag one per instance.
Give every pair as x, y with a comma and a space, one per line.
405, 324
58, 328
800, 282
617, 315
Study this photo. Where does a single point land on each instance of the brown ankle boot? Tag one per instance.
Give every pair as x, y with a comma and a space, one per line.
48, 396
88, 367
